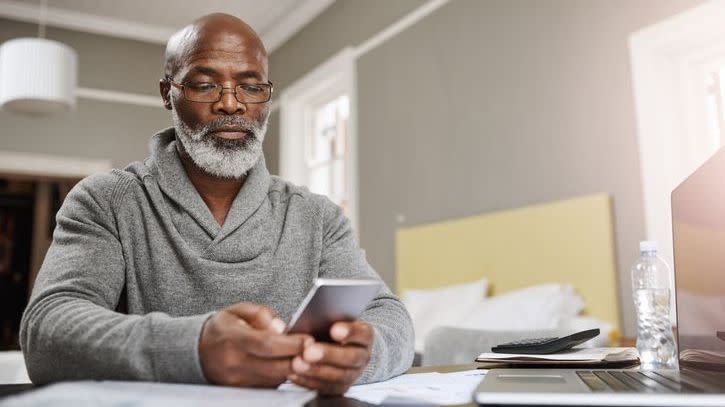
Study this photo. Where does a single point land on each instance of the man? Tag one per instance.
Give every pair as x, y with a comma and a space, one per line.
183, 267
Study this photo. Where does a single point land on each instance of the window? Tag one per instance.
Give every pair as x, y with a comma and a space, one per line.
715, 110
317, 138
326, 150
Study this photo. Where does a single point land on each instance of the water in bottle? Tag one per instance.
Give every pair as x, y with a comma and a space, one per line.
651, 290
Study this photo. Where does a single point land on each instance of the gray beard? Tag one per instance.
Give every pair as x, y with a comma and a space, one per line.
220, 157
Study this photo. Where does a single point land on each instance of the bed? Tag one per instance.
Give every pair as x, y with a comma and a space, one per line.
569, 241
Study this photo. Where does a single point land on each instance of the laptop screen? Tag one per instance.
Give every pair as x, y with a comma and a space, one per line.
698, 230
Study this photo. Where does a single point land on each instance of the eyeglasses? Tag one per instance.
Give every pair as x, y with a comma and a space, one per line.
205, 92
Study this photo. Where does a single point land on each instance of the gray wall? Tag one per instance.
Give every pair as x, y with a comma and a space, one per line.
488, 105
345, 22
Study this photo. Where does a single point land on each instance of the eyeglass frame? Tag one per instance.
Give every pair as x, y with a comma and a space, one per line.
181, 86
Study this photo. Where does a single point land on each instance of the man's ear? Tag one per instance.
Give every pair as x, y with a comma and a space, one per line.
165, 90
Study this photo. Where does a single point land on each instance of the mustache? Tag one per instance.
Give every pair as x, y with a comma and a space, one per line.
249, 126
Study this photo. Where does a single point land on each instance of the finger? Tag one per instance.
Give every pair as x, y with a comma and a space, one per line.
341, 356
324, 388
355, 332
236, 368
268, 345
325, 373
265, 372
258, 316
307, 340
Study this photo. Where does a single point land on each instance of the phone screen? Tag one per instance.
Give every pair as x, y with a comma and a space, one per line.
331, 301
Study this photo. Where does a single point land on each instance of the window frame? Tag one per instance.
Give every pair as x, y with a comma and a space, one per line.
332, 78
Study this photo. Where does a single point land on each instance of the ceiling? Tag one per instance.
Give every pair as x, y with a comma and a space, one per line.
155, 20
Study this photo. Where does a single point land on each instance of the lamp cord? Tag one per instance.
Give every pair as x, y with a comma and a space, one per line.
42, 18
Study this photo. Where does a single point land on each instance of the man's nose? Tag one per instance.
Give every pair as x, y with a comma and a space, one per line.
228, 104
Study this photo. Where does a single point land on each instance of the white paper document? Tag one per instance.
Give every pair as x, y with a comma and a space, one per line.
421, 388
141, 394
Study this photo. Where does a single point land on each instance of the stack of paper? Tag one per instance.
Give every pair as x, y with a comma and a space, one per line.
702, 356
571, 357
421, 389
142, 394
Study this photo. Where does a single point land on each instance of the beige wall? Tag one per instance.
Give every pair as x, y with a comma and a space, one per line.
105, 130
494, 104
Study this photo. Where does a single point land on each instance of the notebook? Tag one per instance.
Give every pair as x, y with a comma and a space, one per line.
590, 357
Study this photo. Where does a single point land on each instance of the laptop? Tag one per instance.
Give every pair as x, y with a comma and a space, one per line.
698, 229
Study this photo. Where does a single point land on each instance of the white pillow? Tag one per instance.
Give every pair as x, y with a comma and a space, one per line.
545, 306
442, 306
572, 304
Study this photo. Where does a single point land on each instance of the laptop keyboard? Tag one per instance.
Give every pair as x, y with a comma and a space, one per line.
649, 381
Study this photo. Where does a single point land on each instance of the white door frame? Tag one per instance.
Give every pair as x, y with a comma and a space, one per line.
669, 59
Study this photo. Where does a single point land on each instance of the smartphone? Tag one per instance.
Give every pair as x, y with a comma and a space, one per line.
330, 301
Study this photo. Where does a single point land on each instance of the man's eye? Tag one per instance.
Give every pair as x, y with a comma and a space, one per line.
252, 88
202, 87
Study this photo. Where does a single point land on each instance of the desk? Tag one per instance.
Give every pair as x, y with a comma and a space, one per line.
9, 389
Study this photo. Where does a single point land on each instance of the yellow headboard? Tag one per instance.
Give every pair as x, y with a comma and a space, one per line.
568, 241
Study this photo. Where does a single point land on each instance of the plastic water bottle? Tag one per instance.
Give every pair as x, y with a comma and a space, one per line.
651, 289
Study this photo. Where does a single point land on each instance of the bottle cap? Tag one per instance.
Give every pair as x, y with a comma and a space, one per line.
648, 246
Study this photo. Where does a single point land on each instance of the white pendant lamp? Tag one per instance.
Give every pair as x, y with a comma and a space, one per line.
37, 76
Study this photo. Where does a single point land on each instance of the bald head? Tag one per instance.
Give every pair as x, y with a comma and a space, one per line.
216, 32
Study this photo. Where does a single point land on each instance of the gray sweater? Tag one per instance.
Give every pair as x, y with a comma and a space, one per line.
138, 264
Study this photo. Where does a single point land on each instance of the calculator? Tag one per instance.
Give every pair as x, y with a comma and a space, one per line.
545, 346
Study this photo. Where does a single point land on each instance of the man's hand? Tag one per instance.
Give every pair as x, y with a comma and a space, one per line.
243, 345
330, 368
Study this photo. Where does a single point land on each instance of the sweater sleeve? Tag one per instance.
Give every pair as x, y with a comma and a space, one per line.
392, 352
70, 330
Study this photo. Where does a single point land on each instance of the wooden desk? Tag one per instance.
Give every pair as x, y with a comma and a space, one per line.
10, 389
